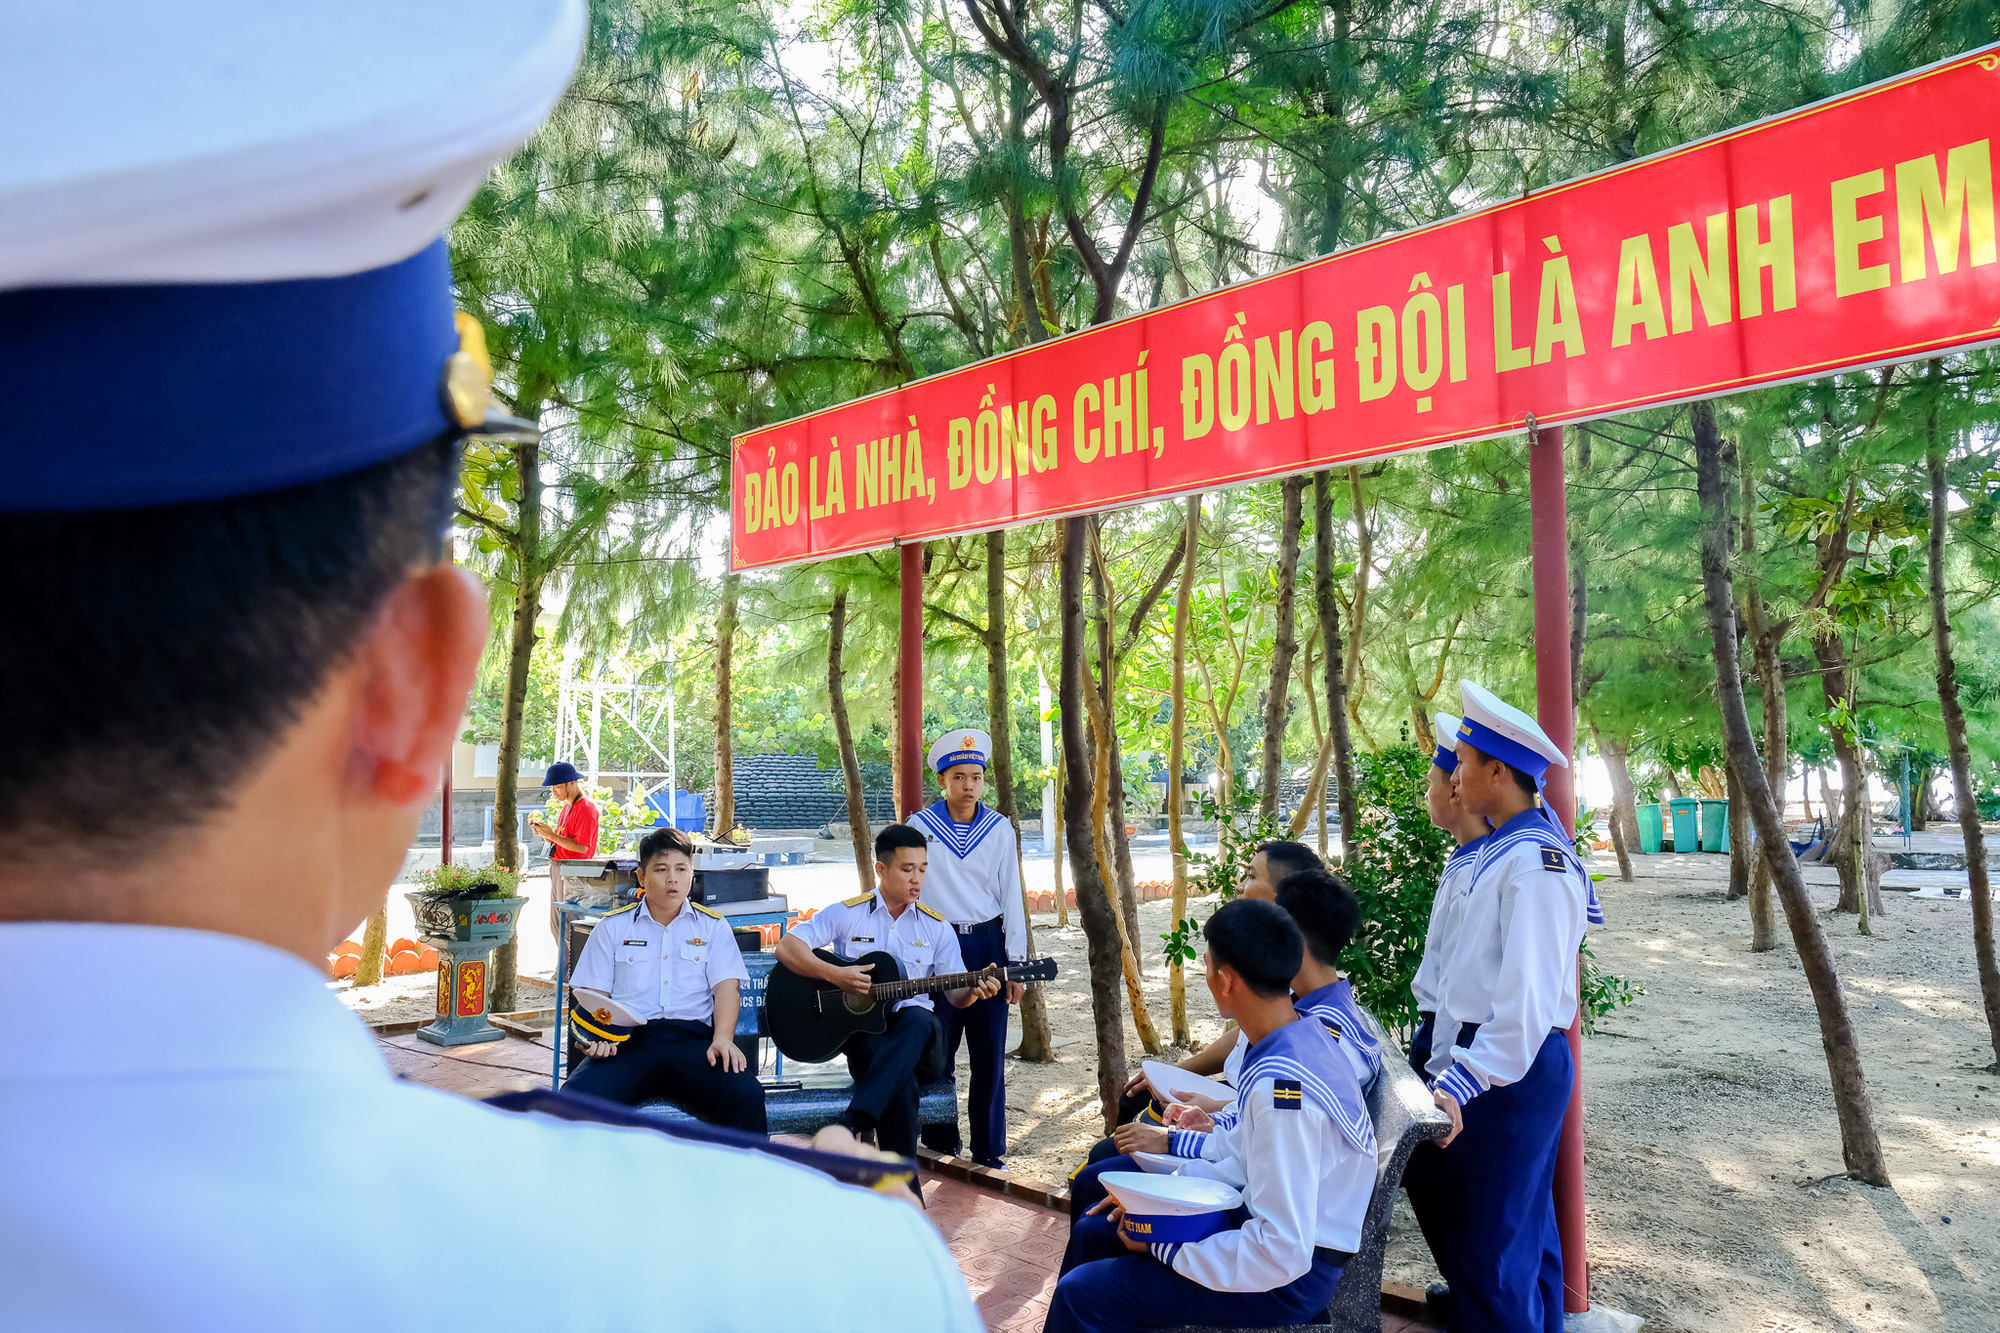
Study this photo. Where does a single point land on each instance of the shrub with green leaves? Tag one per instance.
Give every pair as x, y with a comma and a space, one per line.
459, 880
1394, 859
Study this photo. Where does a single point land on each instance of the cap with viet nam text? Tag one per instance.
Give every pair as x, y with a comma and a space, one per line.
220, 256
965, 745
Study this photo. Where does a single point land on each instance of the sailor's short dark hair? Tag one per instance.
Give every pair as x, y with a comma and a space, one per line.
1283, 859
1326, 910
893, 836
662, 840
174, 646
1259, 942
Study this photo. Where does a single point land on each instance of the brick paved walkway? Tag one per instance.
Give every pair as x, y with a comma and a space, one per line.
1008, 1249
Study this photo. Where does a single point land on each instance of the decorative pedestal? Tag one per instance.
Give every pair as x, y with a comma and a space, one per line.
464, 932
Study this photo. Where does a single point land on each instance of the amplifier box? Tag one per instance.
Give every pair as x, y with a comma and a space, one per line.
748, 885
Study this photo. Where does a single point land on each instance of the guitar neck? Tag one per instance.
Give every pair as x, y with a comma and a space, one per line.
903, 990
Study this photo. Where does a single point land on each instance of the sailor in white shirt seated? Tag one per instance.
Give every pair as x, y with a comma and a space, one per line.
888, 1067
1302, 1151
1327, 914
1499, 1055
673, 965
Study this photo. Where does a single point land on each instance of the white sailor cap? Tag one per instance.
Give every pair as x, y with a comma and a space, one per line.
1493, 726
220, 254
1445, 728
965, 745
598, 1017
1171, 1209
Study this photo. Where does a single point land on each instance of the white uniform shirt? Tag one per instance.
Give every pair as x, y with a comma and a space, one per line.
922, 941
1333, 1006
1512, 962
1437, 936
975, 871
658, 971
228, 1171
1305, 1179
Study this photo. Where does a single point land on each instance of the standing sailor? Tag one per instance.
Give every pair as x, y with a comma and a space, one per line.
223, 273
1469, 830
1500, 1057
975, 881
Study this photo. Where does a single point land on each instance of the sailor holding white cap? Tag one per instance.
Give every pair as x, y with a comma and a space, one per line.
975, 882
1302, 1153
1500, 1056
240, 399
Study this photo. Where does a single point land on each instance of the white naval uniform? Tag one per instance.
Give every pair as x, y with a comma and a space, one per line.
1306, 1166
658, 971
922, 941
1445, 906
1511, 965
229, 1170
975, 871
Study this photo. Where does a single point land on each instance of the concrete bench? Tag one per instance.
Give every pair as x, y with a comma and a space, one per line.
1404, 1117
810, 1103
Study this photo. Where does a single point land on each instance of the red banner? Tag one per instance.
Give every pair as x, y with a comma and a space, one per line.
1855, 232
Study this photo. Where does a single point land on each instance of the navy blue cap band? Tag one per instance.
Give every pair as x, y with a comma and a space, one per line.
153, 395
1507, 750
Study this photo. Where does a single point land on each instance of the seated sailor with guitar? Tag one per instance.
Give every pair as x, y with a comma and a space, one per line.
1301, 1150
889, 1065
673, 965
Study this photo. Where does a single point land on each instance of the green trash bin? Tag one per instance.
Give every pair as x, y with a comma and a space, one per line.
1714, 825
1687, 834
1649, 829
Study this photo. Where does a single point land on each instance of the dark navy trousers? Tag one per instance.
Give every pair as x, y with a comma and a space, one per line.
1487, 1203
983, 1024
1105, 1288
668, 1057
888, 1068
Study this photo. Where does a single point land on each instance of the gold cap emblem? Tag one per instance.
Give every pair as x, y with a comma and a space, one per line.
467, 387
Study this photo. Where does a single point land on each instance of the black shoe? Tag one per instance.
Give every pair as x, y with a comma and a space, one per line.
1437, 1301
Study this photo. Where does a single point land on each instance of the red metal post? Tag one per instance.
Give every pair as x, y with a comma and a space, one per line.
910, 668
1555, 709
444, 817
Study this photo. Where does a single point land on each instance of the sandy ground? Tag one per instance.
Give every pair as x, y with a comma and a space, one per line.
1712, 1153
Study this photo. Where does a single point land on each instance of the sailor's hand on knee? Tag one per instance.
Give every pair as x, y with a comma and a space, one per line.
1449, 1105
602, 1050
853, 980
1138, 1137
726, 1056
1134, 1083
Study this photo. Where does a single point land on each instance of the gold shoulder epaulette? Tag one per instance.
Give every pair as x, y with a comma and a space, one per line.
620, 912
928, 910
706, 910
858, 900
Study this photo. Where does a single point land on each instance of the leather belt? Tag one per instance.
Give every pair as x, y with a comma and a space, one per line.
974, 927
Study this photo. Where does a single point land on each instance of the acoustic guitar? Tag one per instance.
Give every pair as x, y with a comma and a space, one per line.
810, 1020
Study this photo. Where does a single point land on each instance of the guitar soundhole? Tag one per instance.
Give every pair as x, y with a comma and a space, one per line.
857, 1004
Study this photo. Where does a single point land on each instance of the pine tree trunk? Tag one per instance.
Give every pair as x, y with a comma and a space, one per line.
1624, 801
1777, 758
1036, 1043
1861, 1149
507, 850
1093, 903
1334, 656
858, 830
725, 709
1062, 898
374, 944
1109, 760
1969, 828
1739, 844
1854, 841
1176, 764
1364, 566
1278, 697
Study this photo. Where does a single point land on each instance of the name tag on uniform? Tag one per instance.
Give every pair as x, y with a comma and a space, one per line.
637, 944
861, 939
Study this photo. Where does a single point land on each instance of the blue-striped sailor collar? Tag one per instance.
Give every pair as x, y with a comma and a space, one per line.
1466, 849
1537, 826
1305, 1052
961, 839
1336, 1000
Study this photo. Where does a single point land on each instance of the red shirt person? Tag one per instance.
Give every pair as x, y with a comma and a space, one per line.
576, 838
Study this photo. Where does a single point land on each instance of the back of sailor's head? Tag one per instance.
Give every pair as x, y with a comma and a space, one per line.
221, 268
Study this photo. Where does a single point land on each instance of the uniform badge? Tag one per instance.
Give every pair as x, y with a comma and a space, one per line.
1286, 1094
696, 944
1553, 859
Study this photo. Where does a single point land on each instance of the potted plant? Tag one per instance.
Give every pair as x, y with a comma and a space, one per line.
466, 903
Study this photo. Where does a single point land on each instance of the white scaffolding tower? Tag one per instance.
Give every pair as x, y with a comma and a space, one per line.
580, 707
